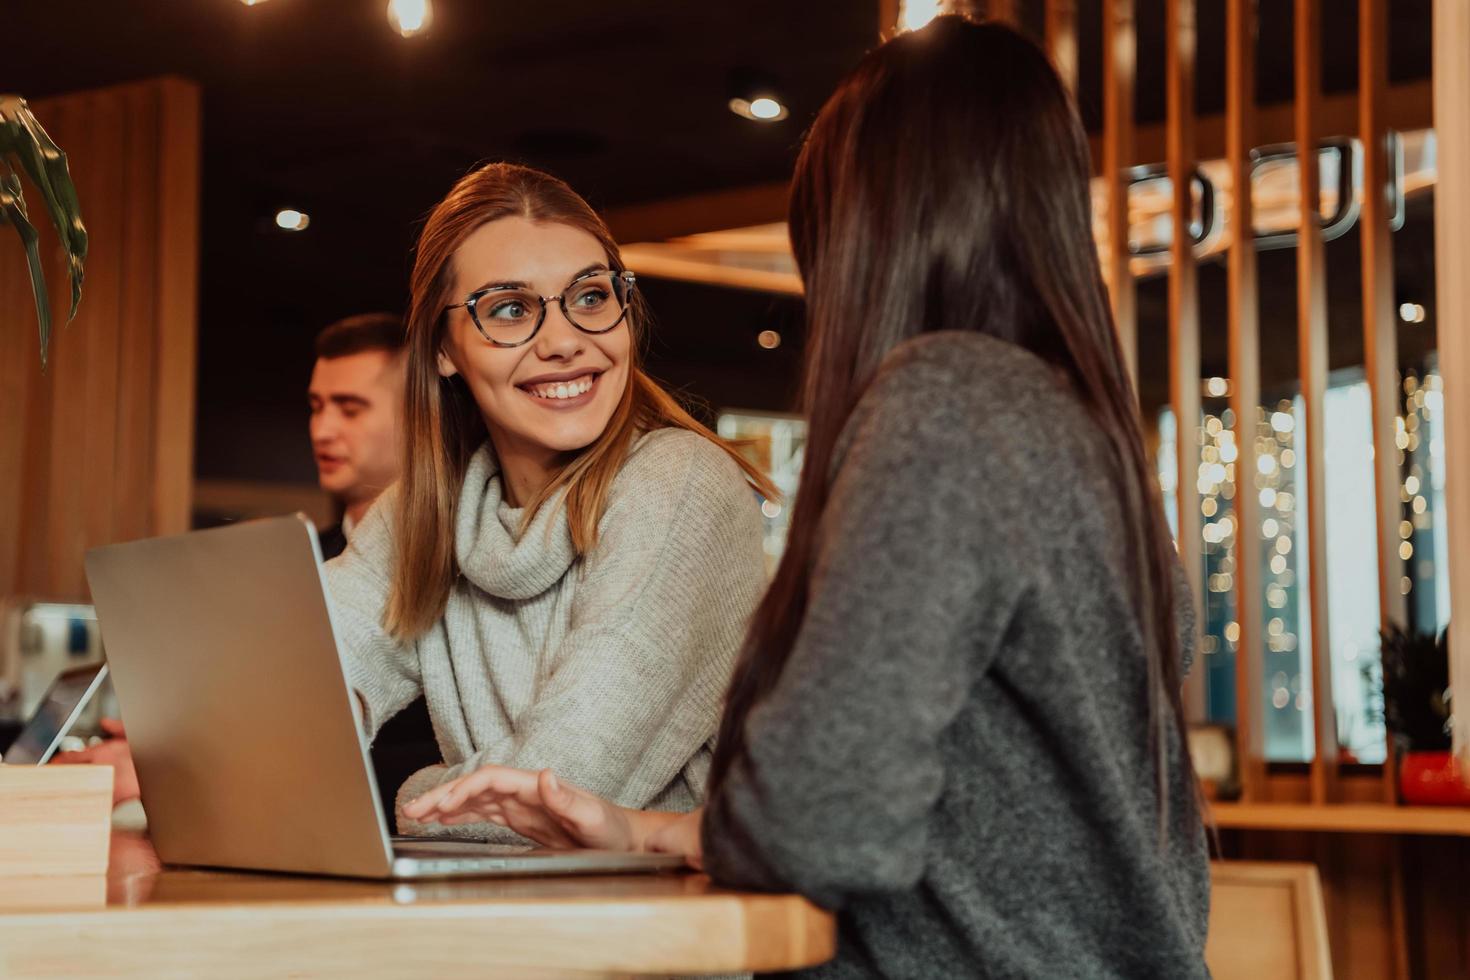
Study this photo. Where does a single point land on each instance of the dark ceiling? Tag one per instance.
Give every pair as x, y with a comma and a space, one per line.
319, 105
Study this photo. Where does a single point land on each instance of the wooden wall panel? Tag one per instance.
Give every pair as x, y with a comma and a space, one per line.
102, 442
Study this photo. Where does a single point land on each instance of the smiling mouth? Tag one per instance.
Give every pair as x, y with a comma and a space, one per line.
570, 390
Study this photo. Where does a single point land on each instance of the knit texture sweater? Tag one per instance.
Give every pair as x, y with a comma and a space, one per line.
956, 756
610, 669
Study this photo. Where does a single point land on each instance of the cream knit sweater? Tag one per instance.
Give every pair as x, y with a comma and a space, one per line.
610, 669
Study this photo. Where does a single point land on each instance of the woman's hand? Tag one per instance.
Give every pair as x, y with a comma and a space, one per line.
539, 806
115, 753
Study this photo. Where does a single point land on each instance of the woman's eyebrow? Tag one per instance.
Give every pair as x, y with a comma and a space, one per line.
594, 267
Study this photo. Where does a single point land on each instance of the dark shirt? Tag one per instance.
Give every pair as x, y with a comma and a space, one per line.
956, 757
405, 744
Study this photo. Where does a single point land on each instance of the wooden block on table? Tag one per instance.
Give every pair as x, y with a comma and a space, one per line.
55, 820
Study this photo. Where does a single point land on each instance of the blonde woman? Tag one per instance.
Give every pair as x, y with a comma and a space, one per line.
568, 564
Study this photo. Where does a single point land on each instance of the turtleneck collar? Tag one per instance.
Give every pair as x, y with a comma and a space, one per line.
493, 552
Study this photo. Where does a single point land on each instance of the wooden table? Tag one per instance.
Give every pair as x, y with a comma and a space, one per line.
146, 921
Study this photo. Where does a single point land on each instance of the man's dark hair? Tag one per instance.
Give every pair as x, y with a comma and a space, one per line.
364, 332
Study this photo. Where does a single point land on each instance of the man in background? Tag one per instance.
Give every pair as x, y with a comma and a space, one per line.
355, 396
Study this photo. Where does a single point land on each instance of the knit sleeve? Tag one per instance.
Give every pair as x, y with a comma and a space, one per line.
383, 670
660, 609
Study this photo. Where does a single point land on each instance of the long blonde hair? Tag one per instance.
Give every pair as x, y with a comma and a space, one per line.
443, 426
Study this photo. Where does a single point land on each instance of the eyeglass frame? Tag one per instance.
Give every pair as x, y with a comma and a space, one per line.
473, 299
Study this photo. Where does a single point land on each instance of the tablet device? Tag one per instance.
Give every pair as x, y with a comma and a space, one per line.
58, 711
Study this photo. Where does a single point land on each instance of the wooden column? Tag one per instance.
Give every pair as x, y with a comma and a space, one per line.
1120, 61
1312, 342
100, 447
1184, 353
1452, 295
1245, 395
1061, 39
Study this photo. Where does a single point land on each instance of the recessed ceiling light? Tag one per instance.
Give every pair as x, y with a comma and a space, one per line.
289, 219
762, 108
1411, 312
769, 339
410, 17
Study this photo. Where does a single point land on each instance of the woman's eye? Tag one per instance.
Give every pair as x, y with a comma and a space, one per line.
512, 309
590, 298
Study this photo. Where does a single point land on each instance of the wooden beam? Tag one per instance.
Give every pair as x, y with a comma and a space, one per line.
1312, 342
1120, 61
1061, 39
1245, 397
1452, 292
737, 207
1405, 107
1184, 346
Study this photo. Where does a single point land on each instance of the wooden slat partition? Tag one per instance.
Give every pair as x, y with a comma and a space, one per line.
100, 447
1452, 293
1245, 395
1061, 39
1380, 319
1120, 62
1312, 344
1184, 344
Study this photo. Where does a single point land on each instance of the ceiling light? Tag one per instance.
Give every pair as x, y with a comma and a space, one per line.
410, 17
769, 339
914, 14
289, 219
251, 3
762, 108
1411, 313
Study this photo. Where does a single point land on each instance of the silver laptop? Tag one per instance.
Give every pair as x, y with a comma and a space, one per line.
249, 753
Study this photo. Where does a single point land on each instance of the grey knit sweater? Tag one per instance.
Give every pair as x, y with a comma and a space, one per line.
956, 757
610, 670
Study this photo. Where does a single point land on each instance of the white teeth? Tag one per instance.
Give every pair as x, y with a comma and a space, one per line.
563, 389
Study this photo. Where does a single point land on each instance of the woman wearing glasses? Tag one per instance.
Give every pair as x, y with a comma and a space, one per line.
568, 563
956, 719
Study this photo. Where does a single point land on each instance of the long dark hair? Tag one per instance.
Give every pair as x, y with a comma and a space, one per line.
945, 187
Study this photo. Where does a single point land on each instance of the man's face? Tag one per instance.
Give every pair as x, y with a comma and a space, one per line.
355, 403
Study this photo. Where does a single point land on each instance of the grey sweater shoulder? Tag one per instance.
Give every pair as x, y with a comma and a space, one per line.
956, 756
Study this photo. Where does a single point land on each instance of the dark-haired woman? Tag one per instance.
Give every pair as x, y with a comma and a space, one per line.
956, 719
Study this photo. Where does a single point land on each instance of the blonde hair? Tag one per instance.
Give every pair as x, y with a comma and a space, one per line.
443, 426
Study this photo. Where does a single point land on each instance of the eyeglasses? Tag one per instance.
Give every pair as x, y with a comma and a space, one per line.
509, 317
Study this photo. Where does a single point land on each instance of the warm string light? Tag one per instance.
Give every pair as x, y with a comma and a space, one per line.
1217, 483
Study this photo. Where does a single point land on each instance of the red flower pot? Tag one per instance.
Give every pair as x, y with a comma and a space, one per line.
1433, 779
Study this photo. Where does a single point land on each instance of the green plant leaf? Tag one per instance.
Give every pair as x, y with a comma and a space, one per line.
22, 136
13, 213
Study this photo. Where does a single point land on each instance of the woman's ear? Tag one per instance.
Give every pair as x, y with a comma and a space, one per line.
446, 366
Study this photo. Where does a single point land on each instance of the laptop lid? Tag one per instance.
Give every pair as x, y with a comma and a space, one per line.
238, 712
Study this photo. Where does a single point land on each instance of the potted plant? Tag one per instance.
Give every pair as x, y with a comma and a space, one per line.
25, 146
1415, 706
